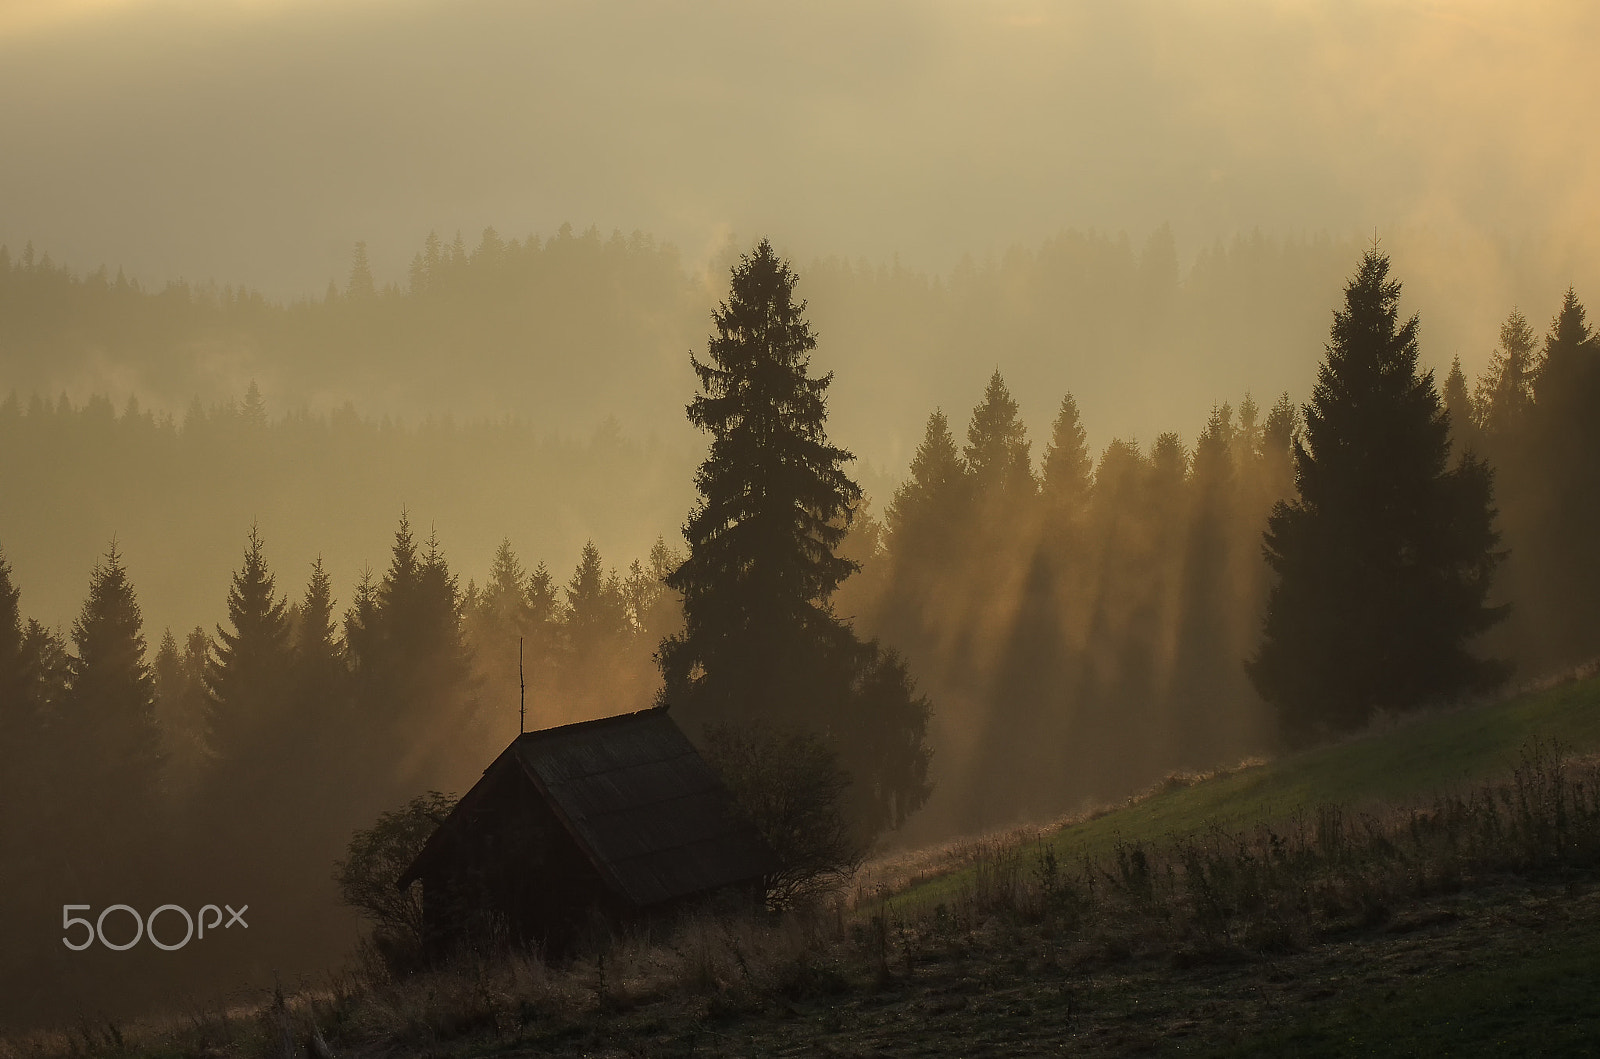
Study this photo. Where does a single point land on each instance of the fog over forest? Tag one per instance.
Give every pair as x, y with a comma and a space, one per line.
1150, 205
385, 314
577, 342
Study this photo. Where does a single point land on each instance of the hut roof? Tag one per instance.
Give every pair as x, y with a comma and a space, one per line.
639, 800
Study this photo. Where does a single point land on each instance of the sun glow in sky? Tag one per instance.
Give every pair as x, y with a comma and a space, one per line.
209, 139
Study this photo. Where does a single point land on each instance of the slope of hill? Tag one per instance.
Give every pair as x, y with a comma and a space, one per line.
1409, 762
1429, 888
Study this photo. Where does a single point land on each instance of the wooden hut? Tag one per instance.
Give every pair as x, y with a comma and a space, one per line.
617, 818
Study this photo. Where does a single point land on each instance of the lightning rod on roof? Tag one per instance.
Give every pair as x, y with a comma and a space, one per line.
522, 693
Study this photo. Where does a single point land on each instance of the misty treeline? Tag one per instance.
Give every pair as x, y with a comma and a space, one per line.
1090, 621
232, 763
590, 304
1534, 416
566, 329
575, 337
1079, 618
175, 488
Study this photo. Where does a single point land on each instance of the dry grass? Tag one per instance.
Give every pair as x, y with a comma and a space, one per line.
898, 871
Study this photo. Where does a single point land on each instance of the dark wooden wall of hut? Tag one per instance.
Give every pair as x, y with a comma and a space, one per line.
513, 876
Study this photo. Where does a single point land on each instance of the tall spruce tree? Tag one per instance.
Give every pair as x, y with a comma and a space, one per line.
544, 624
318, 653
319, 698
18, 720
760, 642
1463, 410
251, 665
1571, 357
36, 741
597, 611
108, 715
1384, 559
1564, 460
1067, 467
652, 610
997, 447
410, 663
1504, 394
926, 513
775, 502
1277, 447
498, 620
363, 650
443, 657
387, 631
503, 609
598, 671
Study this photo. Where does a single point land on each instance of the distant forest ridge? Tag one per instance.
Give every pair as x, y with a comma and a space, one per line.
565, 330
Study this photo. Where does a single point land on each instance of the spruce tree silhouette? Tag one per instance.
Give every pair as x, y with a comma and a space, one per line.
596, 610
997, 448
595, 634
108, 719
318, 654
1384, 560
925, 515
249, 672
411, 666
760, 642
502, 608
1504, 394
1570, 355
18, 719
1463, 409
1067, 471
319, 698
1564, 461
927, 522
775, 503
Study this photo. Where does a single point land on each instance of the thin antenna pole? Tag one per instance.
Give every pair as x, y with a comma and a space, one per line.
522, 693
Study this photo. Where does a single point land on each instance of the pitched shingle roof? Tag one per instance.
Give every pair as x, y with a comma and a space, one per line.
642, 804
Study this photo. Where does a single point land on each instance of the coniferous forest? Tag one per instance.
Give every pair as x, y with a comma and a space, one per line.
1028, 621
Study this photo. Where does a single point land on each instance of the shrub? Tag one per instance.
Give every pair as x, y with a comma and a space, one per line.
790, 786
368, 875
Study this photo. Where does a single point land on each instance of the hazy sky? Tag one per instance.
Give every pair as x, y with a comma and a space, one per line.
255, 142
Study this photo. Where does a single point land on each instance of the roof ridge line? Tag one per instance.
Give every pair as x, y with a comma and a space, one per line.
595, 721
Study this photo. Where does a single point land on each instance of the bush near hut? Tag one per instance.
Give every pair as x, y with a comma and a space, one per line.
789, 784
375, 858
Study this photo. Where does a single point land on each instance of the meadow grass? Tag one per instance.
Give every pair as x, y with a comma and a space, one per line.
1398, 764
1536, 1002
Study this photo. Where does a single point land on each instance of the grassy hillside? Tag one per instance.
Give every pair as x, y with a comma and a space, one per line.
1291, 907
1410, 762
